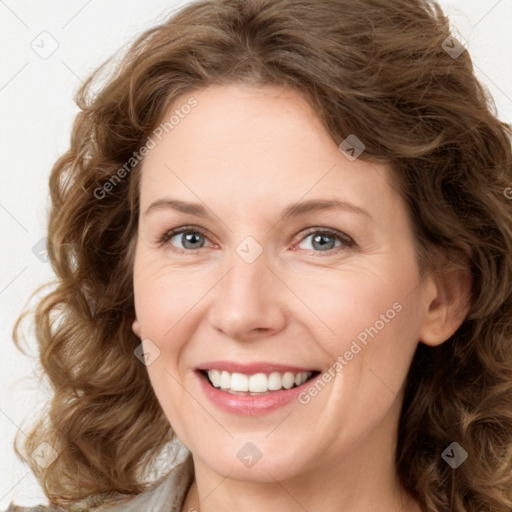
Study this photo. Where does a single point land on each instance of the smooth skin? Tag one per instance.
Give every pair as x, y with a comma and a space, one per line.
246, 154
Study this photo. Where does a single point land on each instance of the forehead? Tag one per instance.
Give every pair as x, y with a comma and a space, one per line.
253, 144
232, 116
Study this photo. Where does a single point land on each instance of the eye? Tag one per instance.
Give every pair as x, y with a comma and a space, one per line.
325, 240
188, 236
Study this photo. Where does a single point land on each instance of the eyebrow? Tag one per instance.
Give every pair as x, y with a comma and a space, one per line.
295, 210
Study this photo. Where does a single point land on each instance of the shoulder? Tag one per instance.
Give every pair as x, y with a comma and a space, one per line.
38, 508
41, 508
166, 494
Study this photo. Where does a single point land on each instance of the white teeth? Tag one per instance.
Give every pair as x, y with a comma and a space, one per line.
274, 381
239, 382
288, 380
256, 383
214, 377
225, 380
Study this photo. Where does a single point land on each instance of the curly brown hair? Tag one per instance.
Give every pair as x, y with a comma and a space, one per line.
375, 68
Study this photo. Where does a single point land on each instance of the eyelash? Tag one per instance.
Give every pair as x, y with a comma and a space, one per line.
346, 241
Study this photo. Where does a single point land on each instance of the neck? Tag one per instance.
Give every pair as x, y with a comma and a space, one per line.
245, 497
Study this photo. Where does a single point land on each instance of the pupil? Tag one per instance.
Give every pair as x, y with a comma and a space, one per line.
190, 239
323, 240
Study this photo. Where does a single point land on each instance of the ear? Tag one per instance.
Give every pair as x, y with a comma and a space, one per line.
447, 303
136, 328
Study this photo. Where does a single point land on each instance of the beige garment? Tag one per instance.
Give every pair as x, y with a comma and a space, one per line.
165, 495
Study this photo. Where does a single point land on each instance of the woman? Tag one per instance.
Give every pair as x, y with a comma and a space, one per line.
281, 236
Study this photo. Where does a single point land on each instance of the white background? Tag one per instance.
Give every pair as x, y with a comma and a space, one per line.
37, 110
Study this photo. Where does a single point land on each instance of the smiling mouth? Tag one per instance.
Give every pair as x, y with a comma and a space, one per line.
258, 383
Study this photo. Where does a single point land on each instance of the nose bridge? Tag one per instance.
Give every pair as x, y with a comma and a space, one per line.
245, 300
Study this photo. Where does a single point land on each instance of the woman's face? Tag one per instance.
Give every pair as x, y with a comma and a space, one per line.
295, 260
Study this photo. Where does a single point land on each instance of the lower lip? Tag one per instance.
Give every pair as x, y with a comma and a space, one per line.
250, 405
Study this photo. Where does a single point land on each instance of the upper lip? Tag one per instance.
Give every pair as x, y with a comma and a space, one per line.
252, 368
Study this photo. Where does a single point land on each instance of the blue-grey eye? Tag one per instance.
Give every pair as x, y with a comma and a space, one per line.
189, 239
321, 241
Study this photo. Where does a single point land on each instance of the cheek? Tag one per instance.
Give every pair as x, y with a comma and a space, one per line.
166, 297
354, 303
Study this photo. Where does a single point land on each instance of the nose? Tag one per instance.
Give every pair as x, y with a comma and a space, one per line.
249, 301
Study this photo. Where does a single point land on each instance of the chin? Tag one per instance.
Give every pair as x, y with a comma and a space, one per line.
259, 461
